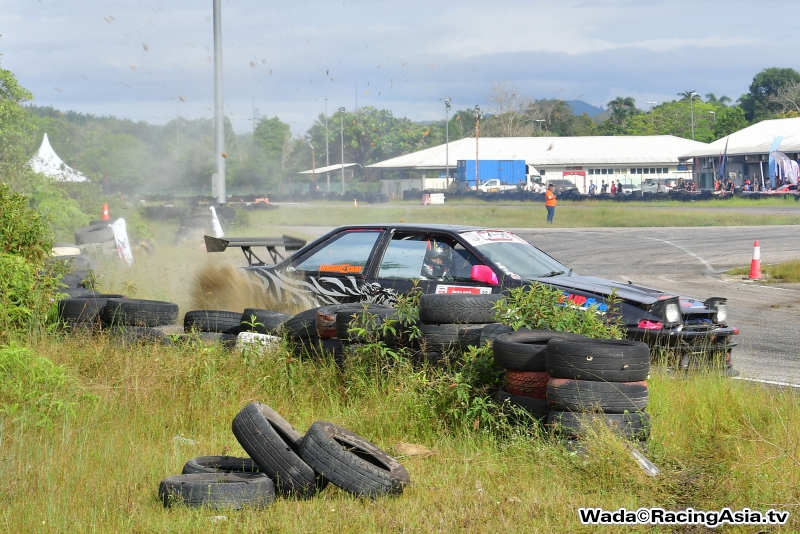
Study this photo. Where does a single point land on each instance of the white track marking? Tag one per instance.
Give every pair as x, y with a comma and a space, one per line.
769, 382
692, 254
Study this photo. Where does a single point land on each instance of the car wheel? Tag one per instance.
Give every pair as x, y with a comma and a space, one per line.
586, 396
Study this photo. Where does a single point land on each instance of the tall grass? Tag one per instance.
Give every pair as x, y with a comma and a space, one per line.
787, 271
718, 443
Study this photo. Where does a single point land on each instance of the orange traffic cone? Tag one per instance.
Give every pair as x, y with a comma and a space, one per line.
104, 216
755, 264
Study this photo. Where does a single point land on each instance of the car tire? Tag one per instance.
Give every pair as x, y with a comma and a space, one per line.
607, 360
444, 337
524, 350
351, 462
218, 321
133, 335
303, 325
492, 330
93, 234
527, 383
587, 396
138, 312
458, 308
356, 316
221, 464
82, 310
262, 321
536, 408
632, 425
217, 490
274, 446
326, 319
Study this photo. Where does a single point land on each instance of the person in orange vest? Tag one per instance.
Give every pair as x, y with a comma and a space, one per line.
550, 203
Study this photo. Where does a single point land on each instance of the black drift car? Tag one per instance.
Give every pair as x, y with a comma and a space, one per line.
376, 262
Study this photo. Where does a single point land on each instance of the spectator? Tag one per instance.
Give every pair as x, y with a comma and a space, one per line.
550, 203
619, 187
592, 188
603, 188
613, 188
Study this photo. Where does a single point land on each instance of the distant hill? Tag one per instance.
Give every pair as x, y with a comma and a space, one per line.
579, 107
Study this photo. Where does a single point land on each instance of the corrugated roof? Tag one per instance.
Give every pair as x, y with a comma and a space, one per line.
600, 150
755, 139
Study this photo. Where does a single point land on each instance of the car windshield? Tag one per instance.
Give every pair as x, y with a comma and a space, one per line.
513, 255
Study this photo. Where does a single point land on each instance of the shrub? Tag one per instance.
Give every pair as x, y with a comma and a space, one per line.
542, 307
26, 292
23, 231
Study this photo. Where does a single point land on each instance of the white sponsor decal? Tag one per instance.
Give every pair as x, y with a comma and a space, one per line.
446, 290
482, 237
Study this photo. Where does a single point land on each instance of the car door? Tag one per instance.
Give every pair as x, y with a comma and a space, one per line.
403, 265
335, 270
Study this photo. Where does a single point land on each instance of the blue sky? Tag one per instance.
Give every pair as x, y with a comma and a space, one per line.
135, 58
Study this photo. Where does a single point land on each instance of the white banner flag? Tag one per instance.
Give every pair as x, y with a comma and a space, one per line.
215, 221
121, 237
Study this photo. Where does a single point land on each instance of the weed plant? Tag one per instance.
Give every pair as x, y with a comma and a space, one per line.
787, 271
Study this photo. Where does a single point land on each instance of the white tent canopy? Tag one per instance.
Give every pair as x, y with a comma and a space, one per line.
755, 139
47, 162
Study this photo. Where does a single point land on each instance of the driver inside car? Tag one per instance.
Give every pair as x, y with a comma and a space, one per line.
438, 261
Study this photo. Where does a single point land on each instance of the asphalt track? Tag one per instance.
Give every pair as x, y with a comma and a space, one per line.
691, 262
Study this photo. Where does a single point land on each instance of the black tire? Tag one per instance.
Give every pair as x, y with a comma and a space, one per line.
634, 425
82, 310
221, 464
326, 319
137, 312
536, 408
437, 359
132, 335
221, 322
262, 321
458, 308
587, 396
93, 234
217, 490
351, 462
303, 325
79, 292
317, 348
360, 315
443, 337
608, 360
527, 383
524, 350
492, 330
274, 446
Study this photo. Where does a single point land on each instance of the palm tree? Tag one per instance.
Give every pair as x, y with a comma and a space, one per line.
711, 98
621, 108
686, 95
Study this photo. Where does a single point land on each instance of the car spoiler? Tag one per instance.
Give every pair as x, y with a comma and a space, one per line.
220, 244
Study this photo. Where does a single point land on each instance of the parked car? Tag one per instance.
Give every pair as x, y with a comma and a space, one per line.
630, 189
563, 188
377, 262
659, 185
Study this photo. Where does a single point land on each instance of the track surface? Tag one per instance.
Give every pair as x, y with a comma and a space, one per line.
691, 262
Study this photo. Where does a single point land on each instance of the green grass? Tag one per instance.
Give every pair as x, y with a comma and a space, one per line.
787, 271
718, 443
524, 215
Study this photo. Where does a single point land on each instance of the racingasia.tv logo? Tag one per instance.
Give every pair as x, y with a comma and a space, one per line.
659, 516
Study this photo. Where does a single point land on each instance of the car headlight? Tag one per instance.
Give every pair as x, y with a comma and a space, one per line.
672, 312
722, 313
720, 308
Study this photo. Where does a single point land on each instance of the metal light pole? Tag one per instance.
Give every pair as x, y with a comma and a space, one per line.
652, 104
477, 136
714, 114
219, 119
691, 107
313, 163
540, 121
447, 141
327, 161
341, 134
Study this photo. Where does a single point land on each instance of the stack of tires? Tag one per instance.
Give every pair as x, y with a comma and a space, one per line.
98, 233
451, 323
523, 356
593, 379
282, 462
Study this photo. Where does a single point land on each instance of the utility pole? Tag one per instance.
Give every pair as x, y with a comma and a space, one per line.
313, 163
477, 136
327, 160
341, 134
219, 118
447, 140
691, 107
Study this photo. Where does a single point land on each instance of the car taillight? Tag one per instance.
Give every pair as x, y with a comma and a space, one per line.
651, 325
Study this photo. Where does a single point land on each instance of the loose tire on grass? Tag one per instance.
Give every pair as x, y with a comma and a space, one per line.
608, 360
219, 321
536, 408
587, 396
527, 383
93, 234
82, 310
274, 446
632, 425
351, 462
138, 312
221, 464
217, 490
458, 308
443, 337
262, 321
524, 350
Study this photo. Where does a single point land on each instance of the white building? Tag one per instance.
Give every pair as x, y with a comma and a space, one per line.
629, 159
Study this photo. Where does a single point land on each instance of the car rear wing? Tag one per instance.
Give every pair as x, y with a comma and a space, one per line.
289, 244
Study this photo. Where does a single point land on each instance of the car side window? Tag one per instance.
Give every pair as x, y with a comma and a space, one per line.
426, 257
348, 254
403, 258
